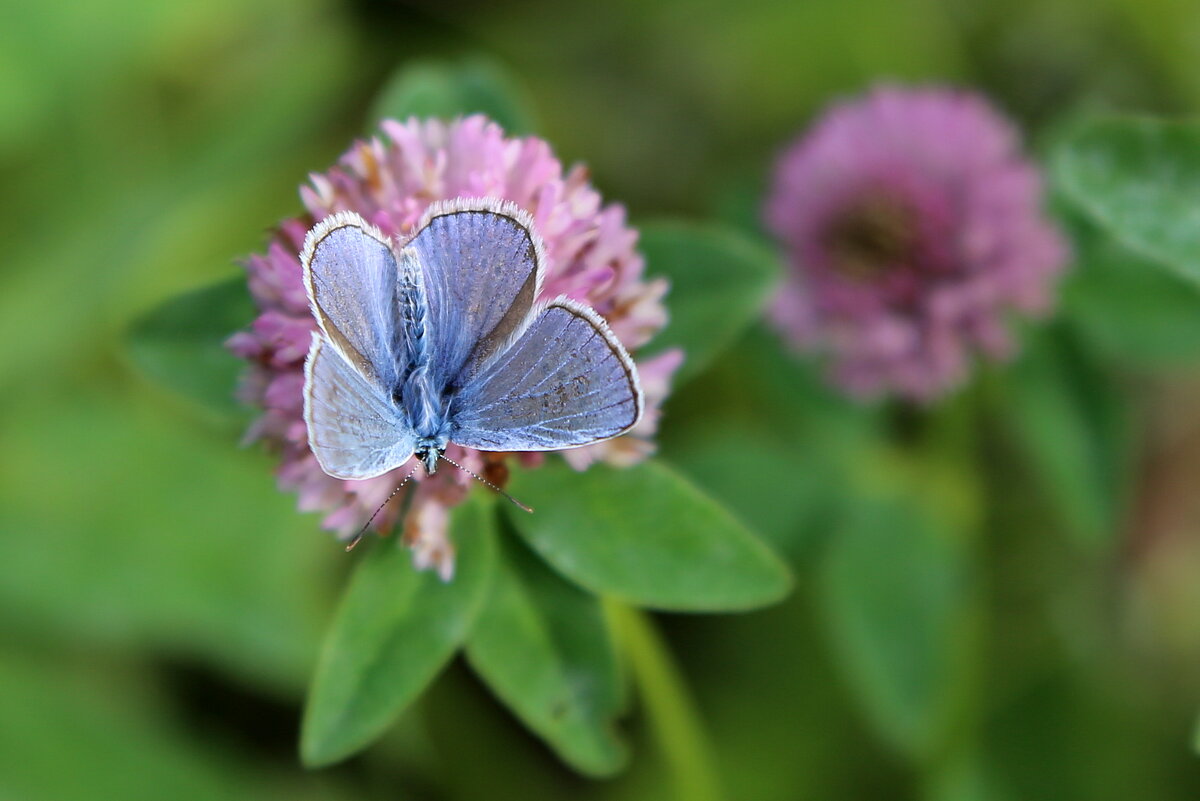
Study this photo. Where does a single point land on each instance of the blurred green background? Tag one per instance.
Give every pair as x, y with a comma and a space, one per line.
161, 603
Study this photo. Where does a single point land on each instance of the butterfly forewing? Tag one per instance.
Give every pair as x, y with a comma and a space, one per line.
482, 271
350, 276
565, 382
354, 430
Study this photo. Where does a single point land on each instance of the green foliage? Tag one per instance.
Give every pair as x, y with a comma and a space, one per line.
1138, 179
544, 648
719, 282
181, 343
455, 89
668, 707
1070, 421
394, 630
1127, 308
776, 444
895, 586
148, 145
645, 535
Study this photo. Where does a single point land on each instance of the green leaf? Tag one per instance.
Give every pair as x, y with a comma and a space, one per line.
1071, 424
455, 89
181, 343
1196, 738
394, 631
544, 648
720, 279
645, 535
895, 591
738, 200
1139, 180
765, 416
1127, 307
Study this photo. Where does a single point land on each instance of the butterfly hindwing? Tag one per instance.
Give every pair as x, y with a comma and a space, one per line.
566, 381
482, 267
354, 430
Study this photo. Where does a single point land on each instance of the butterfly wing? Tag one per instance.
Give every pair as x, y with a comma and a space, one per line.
354, 430
566, 381
482, 269
350, 275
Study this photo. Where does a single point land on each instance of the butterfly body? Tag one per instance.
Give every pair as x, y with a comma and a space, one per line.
442, 341
421, 400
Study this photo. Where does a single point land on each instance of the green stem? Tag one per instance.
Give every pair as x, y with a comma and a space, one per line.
951, 769
674, 721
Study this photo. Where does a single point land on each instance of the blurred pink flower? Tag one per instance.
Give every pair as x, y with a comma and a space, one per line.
913, 225
591, 257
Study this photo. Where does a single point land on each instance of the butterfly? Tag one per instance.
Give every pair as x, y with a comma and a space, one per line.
442, 340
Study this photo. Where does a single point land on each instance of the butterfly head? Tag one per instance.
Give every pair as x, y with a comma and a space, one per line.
429, 451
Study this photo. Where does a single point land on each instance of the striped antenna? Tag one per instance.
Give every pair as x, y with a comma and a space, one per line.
483, 480
362, 531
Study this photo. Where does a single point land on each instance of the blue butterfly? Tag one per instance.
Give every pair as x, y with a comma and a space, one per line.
443, 341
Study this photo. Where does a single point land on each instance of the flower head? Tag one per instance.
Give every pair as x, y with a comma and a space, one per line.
590, 257
913, 225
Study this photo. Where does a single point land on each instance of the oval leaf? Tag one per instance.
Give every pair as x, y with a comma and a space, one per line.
895, 592
720, 280
447, 90
394, 631
1139, 179
1128, 308
182, 343
645, 535
1071, 423
544, 648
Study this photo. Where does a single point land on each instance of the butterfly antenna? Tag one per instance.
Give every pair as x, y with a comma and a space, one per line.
362, 531
483, 480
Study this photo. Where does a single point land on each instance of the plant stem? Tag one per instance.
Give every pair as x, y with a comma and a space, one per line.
674, 721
